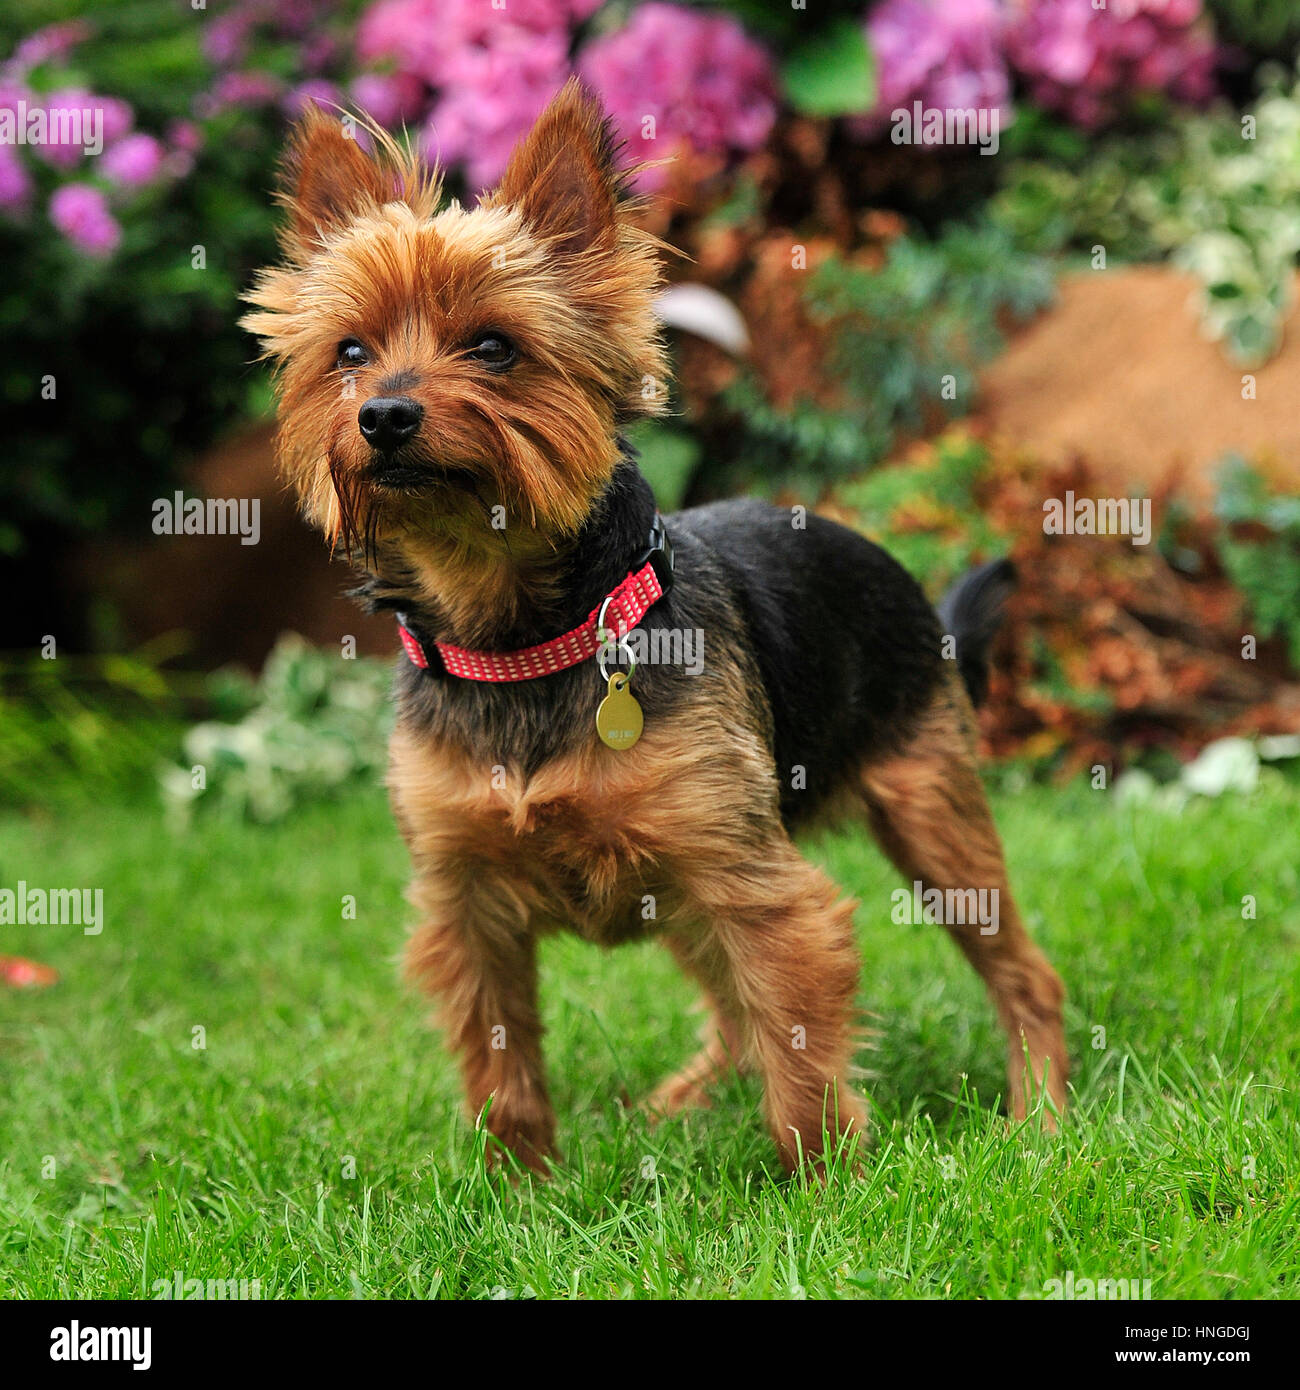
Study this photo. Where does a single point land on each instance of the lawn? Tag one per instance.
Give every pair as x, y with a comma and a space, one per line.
314, 1142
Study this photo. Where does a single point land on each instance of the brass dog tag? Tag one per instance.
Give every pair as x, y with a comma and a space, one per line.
619, 719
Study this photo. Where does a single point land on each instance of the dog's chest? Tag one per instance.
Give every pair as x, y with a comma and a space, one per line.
573, 838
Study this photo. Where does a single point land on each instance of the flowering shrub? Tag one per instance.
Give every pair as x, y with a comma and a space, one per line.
39, 153
673, 76
670, 75
1085, 63
948, 54
1088, 63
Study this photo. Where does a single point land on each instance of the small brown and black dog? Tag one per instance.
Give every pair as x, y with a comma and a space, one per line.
452, 388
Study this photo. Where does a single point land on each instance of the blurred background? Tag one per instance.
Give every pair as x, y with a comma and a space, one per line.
926, 341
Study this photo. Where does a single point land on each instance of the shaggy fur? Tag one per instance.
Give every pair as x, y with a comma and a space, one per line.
502, 521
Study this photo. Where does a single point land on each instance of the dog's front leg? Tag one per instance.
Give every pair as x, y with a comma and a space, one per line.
778, 954
475, 955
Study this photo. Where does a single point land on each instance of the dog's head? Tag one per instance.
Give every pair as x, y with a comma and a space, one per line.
433, 365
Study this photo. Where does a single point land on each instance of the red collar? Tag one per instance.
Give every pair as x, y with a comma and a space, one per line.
624, 607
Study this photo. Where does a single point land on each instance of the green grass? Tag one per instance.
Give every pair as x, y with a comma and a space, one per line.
231, 1161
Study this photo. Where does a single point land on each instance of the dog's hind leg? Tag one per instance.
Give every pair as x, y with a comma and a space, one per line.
927, 808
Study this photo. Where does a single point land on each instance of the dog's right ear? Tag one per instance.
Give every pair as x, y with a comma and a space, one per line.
326, 180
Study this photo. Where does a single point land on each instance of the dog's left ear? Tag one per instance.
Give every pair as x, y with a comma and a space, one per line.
561, 176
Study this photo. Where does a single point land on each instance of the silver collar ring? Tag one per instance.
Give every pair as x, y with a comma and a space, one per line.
607, 639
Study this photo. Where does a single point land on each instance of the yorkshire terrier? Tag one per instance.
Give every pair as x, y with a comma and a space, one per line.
453, 384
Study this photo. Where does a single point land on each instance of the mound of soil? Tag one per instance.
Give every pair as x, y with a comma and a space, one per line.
1120, 374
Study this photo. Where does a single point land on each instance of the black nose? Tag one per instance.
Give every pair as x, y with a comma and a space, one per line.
389, 421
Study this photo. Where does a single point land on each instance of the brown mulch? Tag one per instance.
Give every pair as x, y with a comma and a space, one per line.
1108, 650
1119, 372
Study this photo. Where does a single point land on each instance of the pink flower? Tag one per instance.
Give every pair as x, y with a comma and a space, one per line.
117, 116
15, 181
424, 37
81, 214
500, 91
389, 98
186, 136
317, 52
947, 55
225, 37
53, 43
673, 76
238, 89
431, 38
487, 71
133, 162
1087, 63
109, 117
315, 92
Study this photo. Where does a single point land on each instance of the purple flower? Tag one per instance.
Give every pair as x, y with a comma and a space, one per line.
53, 43
15, 181
500, 91
674, 76
1087, 63
315, 92
389, 98
81, 214
133, 161
225, 38
947, 55
246, 89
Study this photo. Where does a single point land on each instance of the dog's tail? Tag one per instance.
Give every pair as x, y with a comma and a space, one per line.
971, 611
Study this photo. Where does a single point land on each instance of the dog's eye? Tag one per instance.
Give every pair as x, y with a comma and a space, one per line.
493, 350
352, 354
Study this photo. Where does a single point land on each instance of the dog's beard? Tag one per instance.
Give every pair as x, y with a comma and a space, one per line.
360, 511
366, 510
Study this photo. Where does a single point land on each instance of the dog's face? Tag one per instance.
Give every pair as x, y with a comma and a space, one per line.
434, 365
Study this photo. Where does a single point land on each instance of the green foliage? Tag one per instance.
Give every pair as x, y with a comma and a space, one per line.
784, 25
310, 725
1263, 26
939, 491
800, 446
1067, 196
73, 727
1219, 194
668, 457
934, 311
1265, 568
831, 74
